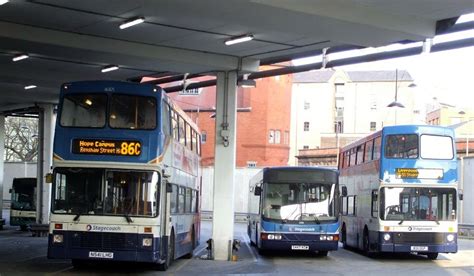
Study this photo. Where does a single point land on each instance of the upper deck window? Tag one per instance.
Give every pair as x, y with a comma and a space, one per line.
132, 112
84, 110
403, 146
436, 147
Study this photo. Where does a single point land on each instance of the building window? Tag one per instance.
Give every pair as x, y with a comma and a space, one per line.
271, 136
286, 138
307, 105
305, 147
203, 137
373, 126
251, 164
277, 137
306, 126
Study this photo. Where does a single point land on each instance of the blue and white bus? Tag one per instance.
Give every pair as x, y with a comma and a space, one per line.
399, 191
294, 209
126, 176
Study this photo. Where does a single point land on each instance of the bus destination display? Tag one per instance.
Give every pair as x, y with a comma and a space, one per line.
106, 147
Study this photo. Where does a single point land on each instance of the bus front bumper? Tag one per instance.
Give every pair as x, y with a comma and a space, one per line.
418, 242
104, 247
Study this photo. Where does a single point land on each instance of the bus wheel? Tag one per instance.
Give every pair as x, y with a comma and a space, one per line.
323, 253
23, 227
344, 237
169, 255
193, 242
366, 244
432, 256
78, 264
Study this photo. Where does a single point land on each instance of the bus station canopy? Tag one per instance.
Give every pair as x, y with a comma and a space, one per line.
74, 40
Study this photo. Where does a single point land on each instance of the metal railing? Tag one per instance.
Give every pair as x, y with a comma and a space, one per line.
466, 231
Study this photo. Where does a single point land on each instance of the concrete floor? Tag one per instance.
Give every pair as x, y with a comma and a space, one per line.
22, 254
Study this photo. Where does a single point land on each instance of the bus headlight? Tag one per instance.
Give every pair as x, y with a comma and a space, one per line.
450, 237
277, 237
323, 237
329, 238
57, 238
147, 242
386, 237
271, 237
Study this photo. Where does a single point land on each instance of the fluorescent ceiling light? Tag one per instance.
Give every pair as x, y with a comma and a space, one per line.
30, 87
88, 102
3, 2
109, 68
20, 57
238, 39
132, 22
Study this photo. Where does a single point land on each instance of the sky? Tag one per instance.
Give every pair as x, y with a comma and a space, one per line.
446, 75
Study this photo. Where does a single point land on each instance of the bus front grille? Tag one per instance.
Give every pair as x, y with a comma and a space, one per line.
418, 238
96, 240
300, 237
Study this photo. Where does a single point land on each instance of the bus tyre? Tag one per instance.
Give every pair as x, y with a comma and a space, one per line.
193, 242
344, 237
323, 253
366, 244
23, 228
78, 264
169, 255
432, 256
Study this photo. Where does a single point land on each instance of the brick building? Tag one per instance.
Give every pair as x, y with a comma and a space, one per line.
263, 121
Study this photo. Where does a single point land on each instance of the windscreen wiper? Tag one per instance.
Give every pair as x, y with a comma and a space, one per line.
78, 215
128, 218
400, 223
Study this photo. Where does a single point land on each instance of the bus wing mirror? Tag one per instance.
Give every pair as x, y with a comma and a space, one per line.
10, 191
169, 187
343, 190
461, 195
48, 178
257, 191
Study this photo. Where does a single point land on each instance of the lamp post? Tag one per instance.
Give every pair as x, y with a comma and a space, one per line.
396, 103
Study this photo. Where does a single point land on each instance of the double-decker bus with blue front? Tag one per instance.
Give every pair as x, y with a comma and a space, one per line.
126, 176
399, 191
294, 209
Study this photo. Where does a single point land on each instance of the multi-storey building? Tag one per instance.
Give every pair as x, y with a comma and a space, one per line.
461, 119
331, 108
263, 121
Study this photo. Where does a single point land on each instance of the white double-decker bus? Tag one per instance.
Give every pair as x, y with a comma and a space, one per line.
399, 191
126, 176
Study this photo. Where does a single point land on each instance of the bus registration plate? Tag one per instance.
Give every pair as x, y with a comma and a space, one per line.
300, 247
102, 255
419, 248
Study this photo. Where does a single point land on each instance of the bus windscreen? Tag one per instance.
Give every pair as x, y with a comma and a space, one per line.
299, 202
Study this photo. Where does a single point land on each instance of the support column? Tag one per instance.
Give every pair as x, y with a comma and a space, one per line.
224, 165
46, 125
2, 157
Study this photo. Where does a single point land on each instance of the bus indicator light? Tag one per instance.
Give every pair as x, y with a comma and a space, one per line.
147, 230
58, 226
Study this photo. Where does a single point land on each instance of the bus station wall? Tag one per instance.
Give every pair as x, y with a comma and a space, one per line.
241, 188
468, 189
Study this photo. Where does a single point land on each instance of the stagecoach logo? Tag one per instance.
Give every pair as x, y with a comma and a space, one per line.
419, 229
102, 228
301, 229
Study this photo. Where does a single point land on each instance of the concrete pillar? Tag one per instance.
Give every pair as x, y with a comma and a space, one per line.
46, 125
2, 157
224, 165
